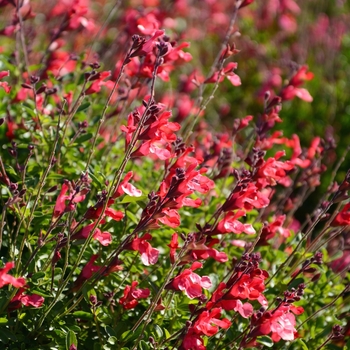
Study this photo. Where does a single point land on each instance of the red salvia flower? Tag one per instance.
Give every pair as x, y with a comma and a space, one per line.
33, 300
149, 255
72, 197
131, 296
5, 84
190, 282
5, 278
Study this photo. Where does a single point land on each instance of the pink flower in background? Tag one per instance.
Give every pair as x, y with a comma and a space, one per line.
5, 84
5, 278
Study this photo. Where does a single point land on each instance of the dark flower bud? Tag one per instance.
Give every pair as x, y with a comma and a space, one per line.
12, 152
13, 187
2, 121
316, 277
183, 236
162, 48
22, 192
41, 89
26, 86
188, 324
95, 65
50, 91
30, 147
306, 262
93, 299
34, 79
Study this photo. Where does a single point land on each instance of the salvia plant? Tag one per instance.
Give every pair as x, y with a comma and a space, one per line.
152, 196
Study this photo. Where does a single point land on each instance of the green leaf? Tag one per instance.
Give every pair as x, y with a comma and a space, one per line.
110, 331
83, 107
41, 293
112, 340
144, 346
83, 315
38, 276
158, 332
3, 320
302, 344
83, 138
131, 199
265, 340
71, 339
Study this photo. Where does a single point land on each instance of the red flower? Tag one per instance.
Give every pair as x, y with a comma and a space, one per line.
149, 255
73, 197
87, 272
273, 171
222, 298
292, 89
4, 84
105, 238
34, 300
207, 322
228, 73
131, 295
269, 230
98, 82
190, 282
127, 188
250, 286
199, 250
174, 245
230, 224
5, 278
342, 218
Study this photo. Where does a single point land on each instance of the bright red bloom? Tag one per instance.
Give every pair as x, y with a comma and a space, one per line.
73, 197
246, 197
342, 218
199, 250
221, 298
250, 286
131, 295
292, 89
174, 245
5, 84
207, 323
87, 272
98, 82
149, 255
230, 224
273, 171
170, 217
126, 187
280, 322
5, 278
228, 73
105, 238
34, 300
270, 229
190, 282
